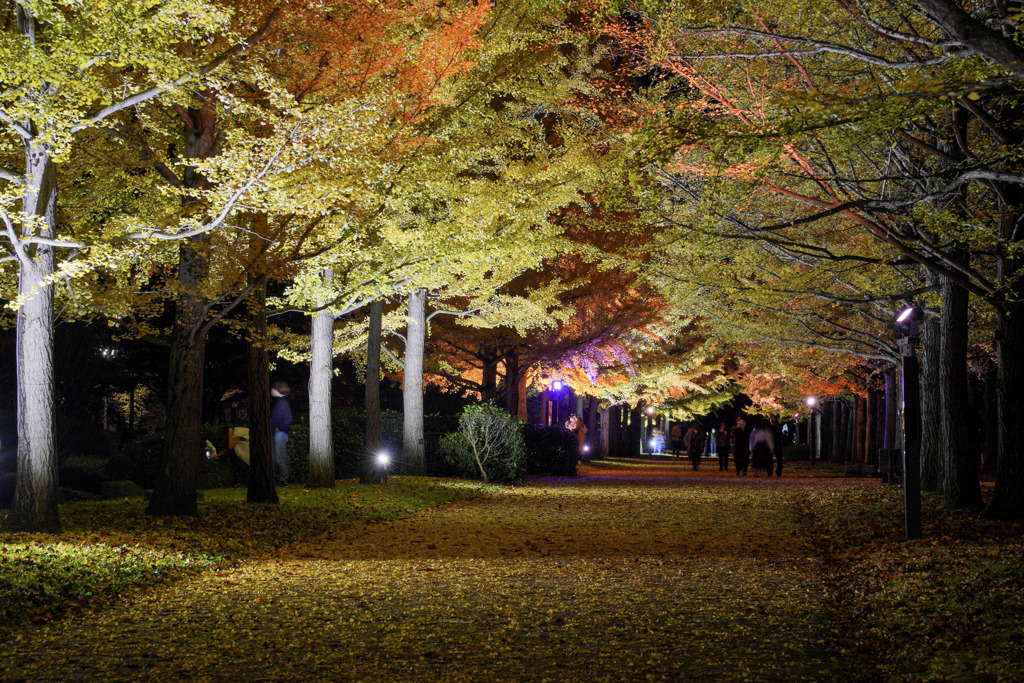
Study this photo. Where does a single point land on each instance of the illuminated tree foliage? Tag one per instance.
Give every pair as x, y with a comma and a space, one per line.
68, 69
824, 163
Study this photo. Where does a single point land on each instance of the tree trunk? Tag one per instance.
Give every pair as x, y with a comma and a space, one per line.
816, 436
870, 442
931, 409
370, 472
489, 382
321, 374
892, 421
523, 381
261, 462
512, 384
545, 408
36, 494
860, 454
990, 417
1008, 499
636, 432
412, 388
959, 485
175, 490
34, 507
592, 421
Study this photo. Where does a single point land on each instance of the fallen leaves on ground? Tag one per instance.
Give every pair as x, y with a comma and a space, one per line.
110, 547
948, 607
604, 577
634, 570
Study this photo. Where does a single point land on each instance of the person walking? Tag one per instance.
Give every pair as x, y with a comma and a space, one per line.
762, 448
722, 446
740, 438
676, 434
280, 421
694, 443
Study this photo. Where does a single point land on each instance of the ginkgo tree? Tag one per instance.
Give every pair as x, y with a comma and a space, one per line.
68, 68
466, 199
885, 145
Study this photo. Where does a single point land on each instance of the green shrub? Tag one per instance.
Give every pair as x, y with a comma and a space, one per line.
488, 445
551, 450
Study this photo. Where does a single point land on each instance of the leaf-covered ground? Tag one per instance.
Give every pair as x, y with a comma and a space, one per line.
113, 547
634, 570
616, 575
947, 607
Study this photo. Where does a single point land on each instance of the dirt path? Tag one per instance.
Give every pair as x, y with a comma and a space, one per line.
661, 574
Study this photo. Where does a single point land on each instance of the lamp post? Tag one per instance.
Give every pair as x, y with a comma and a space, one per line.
906, 324
556, 391
813, 421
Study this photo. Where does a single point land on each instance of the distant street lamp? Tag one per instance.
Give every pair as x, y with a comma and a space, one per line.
650, 411
556, 389
813, 421
907, 325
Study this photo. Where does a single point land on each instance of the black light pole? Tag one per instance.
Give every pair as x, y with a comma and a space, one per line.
906, 323
813, 438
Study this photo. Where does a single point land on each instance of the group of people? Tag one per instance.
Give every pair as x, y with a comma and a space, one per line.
758, 445
237, 417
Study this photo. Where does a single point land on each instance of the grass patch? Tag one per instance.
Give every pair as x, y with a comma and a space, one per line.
110, 547
944, 608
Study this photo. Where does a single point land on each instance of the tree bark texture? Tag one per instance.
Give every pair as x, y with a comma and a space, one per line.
512, 384
860, 453
959, 484
261, 463
931, 407
523, 381
321, 374
966, 29
369, 473
36, 493
412, 389
1008, 499
870, 440
175, 490
489, 382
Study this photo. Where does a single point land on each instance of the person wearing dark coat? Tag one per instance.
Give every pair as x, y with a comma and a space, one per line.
280, 421
694, 442
740, 438
722, 446
762, 448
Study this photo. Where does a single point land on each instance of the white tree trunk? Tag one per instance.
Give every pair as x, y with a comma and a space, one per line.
412, 388
34, 507
321, 370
